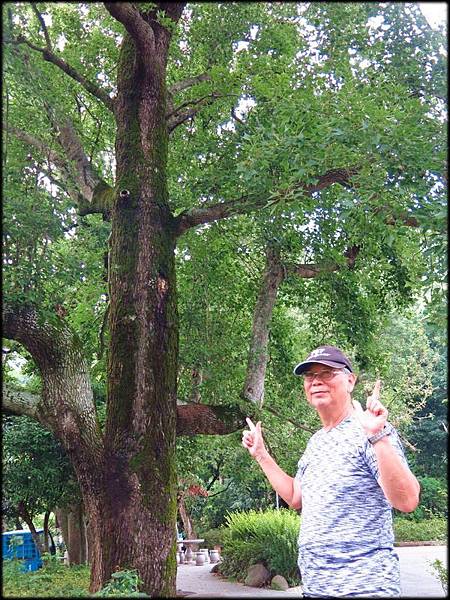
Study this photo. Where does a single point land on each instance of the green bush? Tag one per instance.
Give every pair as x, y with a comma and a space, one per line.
434, 496
269, 537
213, 537
123, 583
441, 573
406, 530
433, 500
55, 579
52, 580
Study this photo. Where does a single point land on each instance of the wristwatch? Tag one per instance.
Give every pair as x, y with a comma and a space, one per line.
387, 430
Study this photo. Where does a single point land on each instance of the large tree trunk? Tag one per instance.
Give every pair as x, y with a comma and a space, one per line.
129, 487
137, 525
127, 475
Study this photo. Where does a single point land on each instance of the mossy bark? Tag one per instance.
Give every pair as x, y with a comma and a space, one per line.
136, 527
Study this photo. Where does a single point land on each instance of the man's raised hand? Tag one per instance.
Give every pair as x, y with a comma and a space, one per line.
374, 417
252, 439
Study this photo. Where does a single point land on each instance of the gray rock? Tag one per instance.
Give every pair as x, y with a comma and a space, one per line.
279, 583
257, 576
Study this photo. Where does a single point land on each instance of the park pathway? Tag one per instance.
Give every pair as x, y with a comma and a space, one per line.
417, 578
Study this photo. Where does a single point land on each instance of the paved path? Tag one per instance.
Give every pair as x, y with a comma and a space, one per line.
416, 574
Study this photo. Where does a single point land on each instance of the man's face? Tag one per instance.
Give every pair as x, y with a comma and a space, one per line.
331, 391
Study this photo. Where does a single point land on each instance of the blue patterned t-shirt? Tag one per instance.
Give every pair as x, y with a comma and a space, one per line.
346, 537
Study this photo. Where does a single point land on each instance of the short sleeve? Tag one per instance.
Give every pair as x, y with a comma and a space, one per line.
371, 457
300, 468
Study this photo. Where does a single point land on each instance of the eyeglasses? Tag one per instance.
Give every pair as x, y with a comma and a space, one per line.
323, 375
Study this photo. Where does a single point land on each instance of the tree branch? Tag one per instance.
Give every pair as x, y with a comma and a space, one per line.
192, 419
130, 17
221, 491
178, 116
407, 443
403, 217
236, 118
94, 195
66, 405
18, 402
284, 419
53, 158
49, 56
216, 473
246, 204
87, 180
178, 86
174, 10
43, 25
310, 271
30, 140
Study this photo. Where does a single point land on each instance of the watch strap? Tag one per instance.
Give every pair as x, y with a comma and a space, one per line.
387, 430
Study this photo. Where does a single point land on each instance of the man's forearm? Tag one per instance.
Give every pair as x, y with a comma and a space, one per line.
278, 479
399, 485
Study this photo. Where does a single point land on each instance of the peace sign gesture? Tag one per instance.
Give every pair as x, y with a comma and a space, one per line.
253, 439
372, 419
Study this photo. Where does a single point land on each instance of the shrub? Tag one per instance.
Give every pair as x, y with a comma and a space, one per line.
52, 580
406, 530
269, 537
434, 495
433, 500
123, 583
213, 537
441, 573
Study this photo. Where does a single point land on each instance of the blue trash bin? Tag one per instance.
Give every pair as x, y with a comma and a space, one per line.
20, 544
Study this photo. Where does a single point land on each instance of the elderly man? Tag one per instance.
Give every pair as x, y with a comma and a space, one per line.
351, 474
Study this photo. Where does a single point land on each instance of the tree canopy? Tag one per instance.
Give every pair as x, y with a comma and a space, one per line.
195, 196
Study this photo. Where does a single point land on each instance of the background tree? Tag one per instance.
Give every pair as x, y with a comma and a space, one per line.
275, 156
37, 476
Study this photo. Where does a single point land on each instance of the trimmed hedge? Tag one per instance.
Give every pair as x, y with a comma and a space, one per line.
434, 529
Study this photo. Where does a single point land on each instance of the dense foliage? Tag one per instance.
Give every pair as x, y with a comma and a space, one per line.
360, 103
36, 471
54, 579
268, 537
